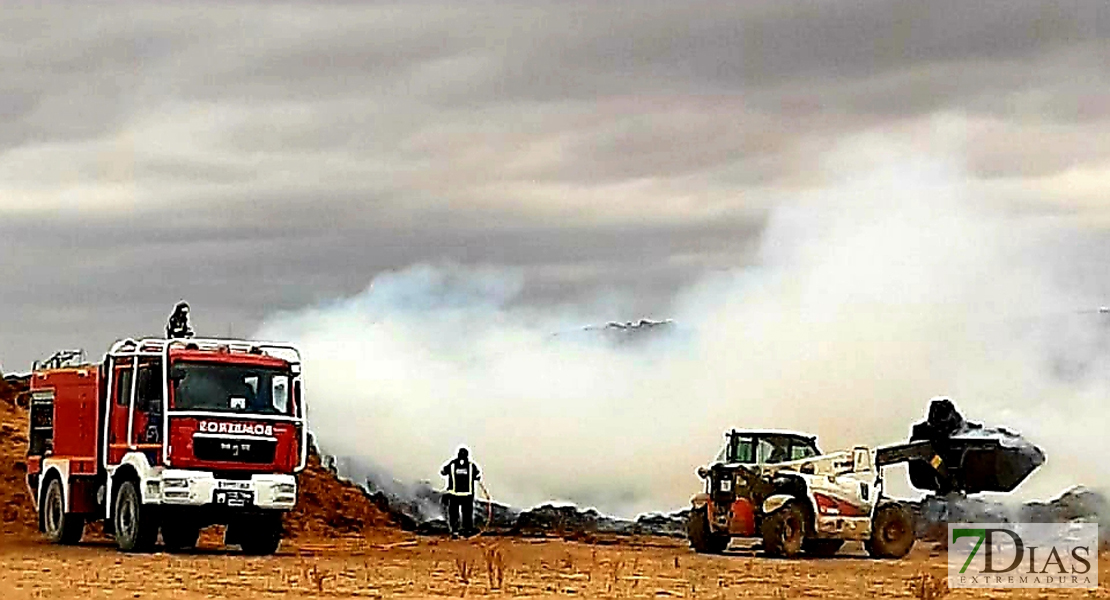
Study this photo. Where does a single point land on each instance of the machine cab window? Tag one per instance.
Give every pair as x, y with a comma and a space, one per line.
766, 448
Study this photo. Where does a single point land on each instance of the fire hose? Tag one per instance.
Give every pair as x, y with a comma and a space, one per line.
489, 508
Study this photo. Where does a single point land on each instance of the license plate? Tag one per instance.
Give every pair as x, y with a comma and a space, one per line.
233, 498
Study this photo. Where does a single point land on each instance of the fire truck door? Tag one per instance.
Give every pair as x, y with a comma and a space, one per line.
146, 430
119, 408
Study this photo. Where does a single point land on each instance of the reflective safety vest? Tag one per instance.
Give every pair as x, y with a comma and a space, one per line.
461, 475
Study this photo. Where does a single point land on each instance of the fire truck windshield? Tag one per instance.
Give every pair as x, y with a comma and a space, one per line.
230, 388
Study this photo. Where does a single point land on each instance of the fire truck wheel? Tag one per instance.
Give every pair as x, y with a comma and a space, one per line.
259, 536
784, 531
702, 538
180, 535
892, 534
135, 524
58, 526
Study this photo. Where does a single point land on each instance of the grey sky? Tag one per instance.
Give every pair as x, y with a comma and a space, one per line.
255, 158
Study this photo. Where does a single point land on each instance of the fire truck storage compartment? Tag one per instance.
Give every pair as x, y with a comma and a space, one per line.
65, 415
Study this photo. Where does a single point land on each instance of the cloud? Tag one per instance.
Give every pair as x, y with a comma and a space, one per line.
255, 157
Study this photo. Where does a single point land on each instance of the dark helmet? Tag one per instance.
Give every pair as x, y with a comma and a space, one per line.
464, 453
181, 307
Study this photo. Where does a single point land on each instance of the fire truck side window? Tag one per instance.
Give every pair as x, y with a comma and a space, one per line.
149, 397
123, 385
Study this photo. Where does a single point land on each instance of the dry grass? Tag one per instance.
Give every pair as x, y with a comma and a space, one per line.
929, 587
502, 568
494, 556
464, 568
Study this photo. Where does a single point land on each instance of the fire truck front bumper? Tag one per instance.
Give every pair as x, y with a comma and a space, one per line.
196, 488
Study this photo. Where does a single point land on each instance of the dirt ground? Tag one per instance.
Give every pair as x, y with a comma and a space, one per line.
418, 568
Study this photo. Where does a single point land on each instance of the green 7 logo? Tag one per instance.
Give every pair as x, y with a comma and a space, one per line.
976, 533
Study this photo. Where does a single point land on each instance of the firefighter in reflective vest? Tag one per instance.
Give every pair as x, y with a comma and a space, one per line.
462, 477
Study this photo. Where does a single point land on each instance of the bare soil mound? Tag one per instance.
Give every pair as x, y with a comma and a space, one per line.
329, 507
17, 515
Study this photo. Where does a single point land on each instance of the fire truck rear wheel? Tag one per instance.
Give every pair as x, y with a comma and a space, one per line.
259, 535
180, 535
784, 531
58, 526
702, 538
136, 526
892, 532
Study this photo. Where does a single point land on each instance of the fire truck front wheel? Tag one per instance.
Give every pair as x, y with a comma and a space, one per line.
256, 534
58, 526
180, 534
136, 526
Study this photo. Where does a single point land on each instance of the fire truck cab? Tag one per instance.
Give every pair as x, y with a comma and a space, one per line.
169, 436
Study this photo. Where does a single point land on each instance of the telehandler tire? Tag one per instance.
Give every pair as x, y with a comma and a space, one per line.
702, 539
784, 531
892, 534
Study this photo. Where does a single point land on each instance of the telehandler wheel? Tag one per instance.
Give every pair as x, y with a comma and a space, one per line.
702, 538
784, 531
892, 534
823, 548
136, 525
258, 535
180, 535
58, 526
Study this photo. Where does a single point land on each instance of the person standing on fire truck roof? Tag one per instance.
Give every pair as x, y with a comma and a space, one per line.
178, 327
462, 476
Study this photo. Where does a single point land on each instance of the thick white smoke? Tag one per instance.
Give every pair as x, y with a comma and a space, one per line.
897, 279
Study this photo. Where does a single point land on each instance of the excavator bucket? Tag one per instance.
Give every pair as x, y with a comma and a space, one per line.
967, 457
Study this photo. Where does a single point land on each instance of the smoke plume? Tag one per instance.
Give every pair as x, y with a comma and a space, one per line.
894, 278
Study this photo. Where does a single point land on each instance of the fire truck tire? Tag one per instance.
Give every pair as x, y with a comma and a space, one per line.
180, 535
258, 536
892, 534
784, 531
58, 526
136, 525
702, 538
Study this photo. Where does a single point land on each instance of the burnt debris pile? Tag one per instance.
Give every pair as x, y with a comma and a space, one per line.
420, 508
1077, 504
573, 522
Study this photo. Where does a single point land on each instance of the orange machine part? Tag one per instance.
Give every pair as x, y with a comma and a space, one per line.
743, 518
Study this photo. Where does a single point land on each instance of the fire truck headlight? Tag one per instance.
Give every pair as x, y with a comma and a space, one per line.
285, 489
175, 483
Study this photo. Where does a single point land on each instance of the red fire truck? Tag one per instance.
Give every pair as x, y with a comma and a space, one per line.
169, 436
